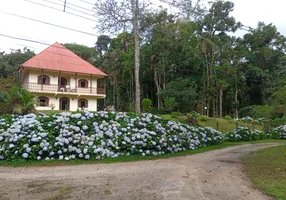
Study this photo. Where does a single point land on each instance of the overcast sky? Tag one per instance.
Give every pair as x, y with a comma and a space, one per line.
249, 12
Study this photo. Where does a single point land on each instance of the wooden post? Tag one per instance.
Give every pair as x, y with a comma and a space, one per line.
91, 84
42, 79
236, 124
75, 82
217, 126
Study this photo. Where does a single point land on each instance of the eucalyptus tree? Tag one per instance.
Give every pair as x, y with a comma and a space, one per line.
117, 16
214, 29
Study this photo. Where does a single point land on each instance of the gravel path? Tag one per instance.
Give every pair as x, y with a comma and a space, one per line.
211, 175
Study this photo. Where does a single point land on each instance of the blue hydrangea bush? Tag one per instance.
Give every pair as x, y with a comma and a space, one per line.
244, 134
280, 131
88, 135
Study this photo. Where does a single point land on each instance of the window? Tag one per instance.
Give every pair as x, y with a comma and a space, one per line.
82, 103
45, 79
82, 83
43, 101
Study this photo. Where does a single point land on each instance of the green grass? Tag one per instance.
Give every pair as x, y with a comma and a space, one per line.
224, 125
267, 170
131, 158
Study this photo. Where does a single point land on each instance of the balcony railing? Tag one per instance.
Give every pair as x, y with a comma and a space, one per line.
52, 88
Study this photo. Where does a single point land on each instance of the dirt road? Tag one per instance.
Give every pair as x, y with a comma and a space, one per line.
212, 175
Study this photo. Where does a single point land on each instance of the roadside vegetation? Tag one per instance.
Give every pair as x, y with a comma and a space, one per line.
70, 136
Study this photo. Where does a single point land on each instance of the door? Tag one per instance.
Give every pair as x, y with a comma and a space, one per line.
63, 82
64, 103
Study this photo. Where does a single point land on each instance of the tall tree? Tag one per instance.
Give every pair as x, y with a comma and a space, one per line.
264, 55
102, 44
214, 28
116, 16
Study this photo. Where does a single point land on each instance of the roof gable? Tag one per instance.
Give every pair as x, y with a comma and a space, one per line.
57, 57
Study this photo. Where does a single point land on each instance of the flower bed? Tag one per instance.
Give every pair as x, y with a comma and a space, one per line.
280, 131
86, 135
244, 134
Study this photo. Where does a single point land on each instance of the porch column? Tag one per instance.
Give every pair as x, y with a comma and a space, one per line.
59, 81
104, 86
91, 84
75, 82
42, 79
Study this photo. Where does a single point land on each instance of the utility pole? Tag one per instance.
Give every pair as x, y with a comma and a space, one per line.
65, 5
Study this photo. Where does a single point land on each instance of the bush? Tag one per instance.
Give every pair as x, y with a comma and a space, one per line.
87, 135
195, 114
244, 134
146, 105
5, 102
202, 118
227, 117
280, 132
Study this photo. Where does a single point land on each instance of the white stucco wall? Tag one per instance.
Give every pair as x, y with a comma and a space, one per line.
31, 76
92, 102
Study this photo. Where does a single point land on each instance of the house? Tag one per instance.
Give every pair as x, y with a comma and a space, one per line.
61, 80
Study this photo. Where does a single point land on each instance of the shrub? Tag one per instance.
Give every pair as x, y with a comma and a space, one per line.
146, 105
280, 132
5, 102
227, 117
87, 135
195, 114
202, 118
244, 134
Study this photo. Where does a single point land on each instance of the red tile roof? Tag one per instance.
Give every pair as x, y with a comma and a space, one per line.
57, 57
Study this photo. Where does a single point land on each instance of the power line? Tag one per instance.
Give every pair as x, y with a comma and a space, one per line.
38, 42
23, 39
76, 6
60, 10
87, 2
76, 52
47, 23
68, 7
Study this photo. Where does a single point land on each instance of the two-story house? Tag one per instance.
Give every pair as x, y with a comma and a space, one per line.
61, 80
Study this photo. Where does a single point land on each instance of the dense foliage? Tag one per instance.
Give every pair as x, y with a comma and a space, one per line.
198, 63
97, 135
14, 98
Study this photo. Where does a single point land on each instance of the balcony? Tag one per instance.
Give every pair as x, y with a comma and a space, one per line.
65, 89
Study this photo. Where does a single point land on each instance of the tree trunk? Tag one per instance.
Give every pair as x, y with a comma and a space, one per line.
135, 6
220, 101
235, 99
213, 106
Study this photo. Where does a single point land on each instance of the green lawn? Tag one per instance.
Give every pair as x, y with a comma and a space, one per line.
224, 125
131, 158
267, 170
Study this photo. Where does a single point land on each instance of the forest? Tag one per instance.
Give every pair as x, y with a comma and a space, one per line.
194, 62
